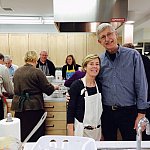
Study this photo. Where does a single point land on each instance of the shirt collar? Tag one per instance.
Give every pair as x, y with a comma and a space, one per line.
107, 54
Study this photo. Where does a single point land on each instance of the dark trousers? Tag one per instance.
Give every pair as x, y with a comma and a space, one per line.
122, 119
1, 110
29, 120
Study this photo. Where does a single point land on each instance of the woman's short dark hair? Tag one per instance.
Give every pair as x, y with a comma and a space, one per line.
129, 45
1, 56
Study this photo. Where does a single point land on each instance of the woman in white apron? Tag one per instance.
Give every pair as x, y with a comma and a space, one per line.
85, 107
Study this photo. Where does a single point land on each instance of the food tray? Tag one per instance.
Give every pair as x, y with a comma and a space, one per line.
49, 142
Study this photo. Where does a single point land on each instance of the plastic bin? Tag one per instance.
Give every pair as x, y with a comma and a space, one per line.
49, 142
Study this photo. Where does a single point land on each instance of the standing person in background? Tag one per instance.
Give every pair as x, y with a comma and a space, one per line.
1, 59
124, 86
45, 65
28, 103
5, 83
146, 62
11, 67
69, 69
85, 106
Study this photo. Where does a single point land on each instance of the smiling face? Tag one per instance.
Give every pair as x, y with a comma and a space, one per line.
93, 67
108, 39
43, 56
8, 63
69, 60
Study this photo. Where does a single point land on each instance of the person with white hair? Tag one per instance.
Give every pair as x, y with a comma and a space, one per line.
124, 86
11, 67
45, 65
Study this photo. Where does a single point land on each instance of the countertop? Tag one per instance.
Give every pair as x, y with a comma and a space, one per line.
108, 145
48, 99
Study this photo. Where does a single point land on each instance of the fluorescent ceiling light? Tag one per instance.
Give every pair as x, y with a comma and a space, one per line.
26, 20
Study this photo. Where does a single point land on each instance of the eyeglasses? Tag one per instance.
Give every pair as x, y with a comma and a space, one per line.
109, 35
43, 55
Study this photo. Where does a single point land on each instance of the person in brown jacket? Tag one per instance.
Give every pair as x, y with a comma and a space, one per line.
29, 85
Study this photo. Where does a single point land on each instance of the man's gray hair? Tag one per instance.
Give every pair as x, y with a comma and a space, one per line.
102, 27
7, 58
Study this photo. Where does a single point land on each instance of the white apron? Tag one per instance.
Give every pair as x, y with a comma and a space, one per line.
92, 115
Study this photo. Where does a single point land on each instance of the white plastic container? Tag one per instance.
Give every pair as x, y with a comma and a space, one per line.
50, 78
49, 142
58, 75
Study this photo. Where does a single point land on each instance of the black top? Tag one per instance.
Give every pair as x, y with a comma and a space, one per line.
70, 67
76, 105
146, 62
50, 66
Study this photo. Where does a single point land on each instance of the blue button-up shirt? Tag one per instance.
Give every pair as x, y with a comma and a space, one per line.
12, 69
123, 80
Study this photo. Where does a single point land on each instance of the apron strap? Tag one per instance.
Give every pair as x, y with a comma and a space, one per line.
22, 99
67, 67
71, 69
85, 90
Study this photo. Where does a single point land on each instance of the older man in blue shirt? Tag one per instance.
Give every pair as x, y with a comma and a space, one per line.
11, 67
124, 86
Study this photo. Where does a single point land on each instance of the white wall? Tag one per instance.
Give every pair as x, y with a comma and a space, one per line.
142, 35
28, 28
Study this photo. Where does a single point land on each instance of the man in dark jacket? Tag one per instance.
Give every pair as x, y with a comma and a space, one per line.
146, 62
45, 65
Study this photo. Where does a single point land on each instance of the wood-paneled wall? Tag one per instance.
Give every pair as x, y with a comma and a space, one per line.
58, 45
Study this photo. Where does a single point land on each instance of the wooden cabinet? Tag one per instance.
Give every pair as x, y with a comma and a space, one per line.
56, 118
38, 42
9, 107
18, 46
56, 123
58, 45
58, 48
77, 46
4, 44
93, 47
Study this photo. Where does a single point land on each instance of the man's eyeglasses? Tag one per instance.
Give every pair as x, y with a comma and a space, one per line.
43, 55
109, 34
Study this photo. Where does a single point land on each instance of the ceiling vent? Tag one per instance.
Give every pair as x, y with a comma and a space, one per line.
7, 9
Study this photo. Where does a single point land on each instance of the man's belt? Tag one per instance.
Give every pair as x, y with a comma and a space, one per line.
115, 107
